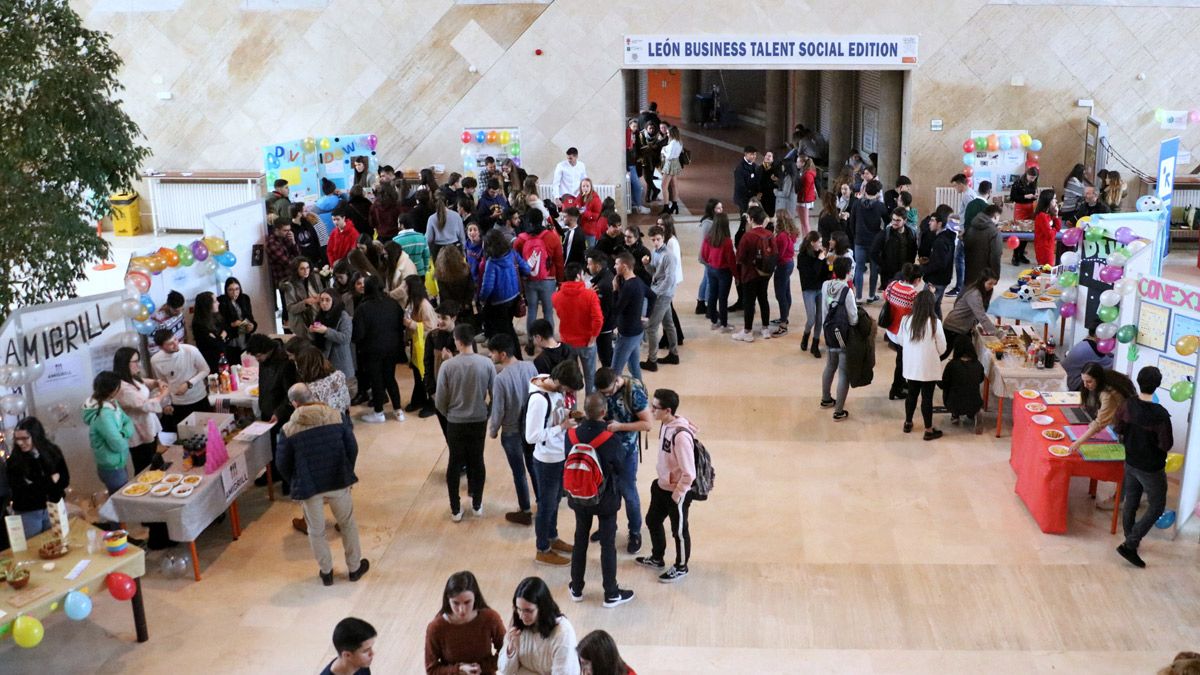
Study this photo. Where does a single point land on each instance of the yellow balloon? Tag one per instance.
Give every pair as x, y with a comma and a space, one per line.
309, 144
324, 143
53, 606
505, 137
1174, 462
1084, 221
28, 631
216, 245
1187, 345
142, 314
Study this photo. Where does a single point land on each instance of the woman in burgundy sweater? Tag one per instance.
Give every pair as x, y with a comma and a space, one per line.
466, 636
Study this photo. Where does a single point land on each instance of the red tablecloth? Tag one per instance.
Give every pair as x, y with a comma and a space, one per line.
1043, 480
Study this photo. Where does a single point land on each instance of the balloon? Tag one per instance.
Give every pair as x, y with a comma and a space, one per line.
1071, 238
968, 171
1004, 143
131, 340
1106, 346
480, 137
1068, 279
1166, 520
199, 250
1117, 259
16, 376
969, 159
372, 141
1069, 294
139, 280
1124, 235
1070, 258
1109, 274
1106, 330
77, 606
505, 138
1127, 333
216, 245
1035, 145
514, 149
131, 308
1026, 139
147, 302
27, 631
1187, 345
1068, 310
1031, 164
993, 143
1135, 246
1110, 298
466, 137
209, 266
227, 259
223, 273
169, 256
1133, 356
121, 586
142, 313
154, 263
185, 255
1012, 242
1108, 314
981, 142
492, 137
1084, 221
1182, 391
309, 144
1125, 286
145, 327
1174, 462
969, 145
1033, 157
324, 143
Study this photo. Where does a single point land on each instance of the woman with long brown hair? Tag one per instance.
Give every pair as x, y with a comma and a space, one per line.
922, 342
444, 228
454, 278
719, 264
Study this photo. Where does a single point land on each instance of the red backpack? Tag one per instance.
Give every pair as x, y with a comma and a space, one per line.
537, 256
583, 477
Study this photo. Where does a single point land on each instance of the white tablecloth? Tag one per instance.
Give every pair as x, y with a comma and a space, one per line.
241, 397
1009, 375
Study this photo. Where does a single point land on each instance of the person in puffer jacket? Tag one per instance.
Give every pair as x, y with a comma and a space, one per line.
316, 455
670, 493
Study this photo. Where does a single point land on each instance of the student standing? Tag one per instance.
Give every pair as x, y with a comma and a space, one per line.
580, 320
813, 272
598, 655
500, 285
466, 636
463, 386
628, 415
378, 331
670, 493
720, 263
899, 296
602, 278
540, 640
37, 474
1145, 426
970, 309
185, 372
109, 431
745, 178
631, 296
546, 421
1046, 225
756, 260
1024, 196
354, 642
923, 343
785, 246
840, 313
867, 216
661, 264
510, 388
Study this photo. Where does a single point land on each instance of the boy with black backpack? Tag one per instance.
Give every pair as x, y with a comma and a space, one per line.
591, 477
840, 312
672, 492
756, 261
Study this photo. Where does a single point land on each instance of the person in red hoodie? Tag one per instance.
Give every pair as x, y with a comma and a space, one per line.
1046, 225
579, 321
344, 237
755, 251
719, 266
670, 493
542, 250
590, 206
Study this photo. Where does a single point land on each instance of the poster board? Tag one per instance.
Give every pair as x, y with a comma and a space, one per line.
303, 162
243, 227
1001, 167
479, 143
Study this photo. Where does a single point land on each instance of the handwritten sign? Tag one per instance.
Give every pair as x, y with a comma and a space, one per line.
1153, 323
16, 533
234, 477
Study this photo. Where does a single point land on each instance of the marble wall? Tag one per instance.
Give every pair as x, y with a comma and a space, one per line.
241, 77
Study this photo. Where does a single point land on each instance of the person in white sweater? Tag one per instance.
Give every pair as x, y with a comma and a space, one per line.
923, 343
568, 174
185, 372
540, 640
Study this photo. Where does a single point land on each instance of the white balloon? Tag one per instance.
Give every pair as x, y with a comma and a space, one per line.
17, 376
1135, 245
1110, 298
1070, 259
1125, 286
1117, 259
1106, 330
1069, 294
131, 340
36, 370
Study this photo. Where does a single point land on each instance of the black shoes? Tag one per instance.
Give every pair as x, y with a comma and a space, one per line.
326, 578
804, 343
908, 427
816, 348
670, 359
933, 434
1132, 556
701, 307
363, 566
649, 366
635, 543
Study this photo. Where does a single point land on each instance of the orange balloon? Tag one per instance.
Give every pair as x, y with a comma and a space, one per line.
169, 256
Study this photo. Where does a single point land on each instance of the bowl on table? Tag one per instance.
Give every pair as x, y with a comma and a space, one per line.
1042, 420
1060, 450
1053, 435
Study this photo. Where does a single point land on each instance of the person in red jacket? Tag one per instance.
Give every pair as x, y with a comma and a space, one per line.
344, 237
579, 320
1046, 225
719, 267
542, 250
756, 247
806, 190
590, 205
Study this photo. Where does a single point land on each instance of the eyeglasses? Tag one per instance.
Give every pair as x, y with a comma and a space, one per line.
655, 406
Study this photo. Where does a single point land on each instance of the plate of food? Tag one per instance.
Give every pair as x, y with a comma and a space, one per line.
1042, 420
172, 478
1060, 450
151, 477
1008, 295
192, 479
1054, 291
1035, 407
1045, 298
1029, 393
254, 391
161, 490
1053, 435
183, 490
135, 490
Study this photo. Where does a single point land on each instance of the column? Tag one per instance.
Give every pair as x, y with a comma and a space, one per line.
689, 86
776, 101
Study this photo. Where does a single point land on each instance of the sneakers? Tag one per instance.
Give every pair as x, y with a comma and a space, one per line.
781, 329
726, 329
456, 516
642, 210
743, 336
650, 561
766, 333
873, 299
933, 434
561, 546
635, 543
715, 326
373, 418
363, 566
827, 403
840, 415
952, 293
776, 322
326, 577
954, 420
623, 596
575, 597
551, 559
519, 517
675, 573
1127, 553
649, 366
670, 359
477, 510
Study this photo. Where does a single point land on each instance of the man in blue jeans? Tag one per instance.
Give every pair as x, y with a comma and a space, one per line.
628, 415
509, 390
629, 309
867, 217
547, 419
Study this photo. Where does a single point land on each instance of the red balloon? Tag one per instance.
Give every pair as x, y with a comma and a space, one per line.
969, 145
968, 171
1031, 164
121, 586
466, 137
1033, 157
1012, 242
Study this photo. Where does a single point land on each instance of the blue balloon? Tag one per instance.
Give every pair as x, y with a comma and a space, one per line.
1035, 145
969, 158
480, 137
146, 327
77, 605
227, 259
1167, 519
1005, 143
223, 273
148, 303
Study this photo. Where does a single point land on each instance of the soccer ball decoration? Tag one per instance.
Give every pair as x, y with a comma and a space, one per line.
1149, 203
1025, 293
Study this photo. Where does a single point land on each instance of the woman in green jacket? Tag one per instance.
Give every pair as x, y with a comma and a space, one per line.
109, 430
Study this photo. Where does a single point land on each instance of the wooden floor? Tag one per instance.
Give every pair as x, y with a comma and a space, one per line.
826, 548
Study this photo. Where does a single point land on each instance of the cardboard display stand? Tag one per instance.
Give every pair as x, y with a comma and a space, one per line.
1001, 167
304, 162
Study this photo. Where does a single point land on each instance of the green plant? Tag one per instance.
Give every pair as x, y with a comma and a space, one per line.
66, 146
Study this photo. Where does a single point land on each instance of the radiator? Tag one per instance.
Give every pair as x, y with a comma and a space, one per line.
948, 196
179, 202
605, 191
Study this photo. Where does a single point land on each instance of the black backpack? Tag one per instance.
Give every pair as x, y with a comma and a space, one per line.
836, 325
526, 445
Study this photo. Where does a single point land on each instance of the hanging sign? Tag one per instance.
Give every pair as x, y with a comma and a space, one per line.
876, 51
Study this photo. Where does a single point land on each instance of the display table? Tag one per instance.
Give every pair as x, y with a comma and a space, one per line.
1043, 480
1020, 310
187, 517
49, 588
241, 398
1022, 230
1004, 378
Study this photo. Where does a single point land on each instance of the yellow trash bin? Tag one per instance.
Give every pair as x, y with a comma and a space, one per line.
126, 218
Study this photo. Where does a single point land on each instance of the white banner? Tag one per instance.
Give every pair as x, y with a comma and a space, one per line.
875, 51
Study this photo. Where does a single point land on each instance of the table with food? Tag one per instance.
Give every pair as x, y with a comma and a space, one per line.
1016, 358
234, 387
1021, 229
1041, 456
1035, 298
188, 495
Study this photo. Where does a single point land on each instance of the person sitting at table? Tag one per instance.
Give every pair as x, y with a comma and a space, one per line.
1080, 355
466, 635
970, 309
237, 319
185, 371
37, 475
109, 430
960, 383
1104, 392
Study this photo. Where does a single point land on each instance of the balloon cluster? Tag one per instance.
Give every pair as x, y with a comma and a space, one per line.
996, 142
19, 376
28, 631
173, 565
507, 140
1176, 116
212, 254
1113, 272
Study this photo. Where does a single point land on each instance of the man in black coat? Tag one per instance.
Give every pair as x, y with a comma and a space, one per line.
594, 431
939, 268
745, 178
894, 246
573, 240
